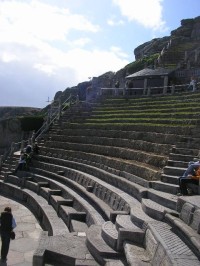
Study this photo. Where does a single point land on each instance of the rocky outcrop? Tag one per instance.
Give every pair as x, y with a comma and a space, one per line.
10, 131
8, 112
152, 47
189, 31
10, 125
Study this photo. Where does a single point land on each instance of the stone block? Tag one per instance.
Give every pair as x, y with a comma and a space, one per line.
187, 213
113, 215
89, 188
136, 236
195, 223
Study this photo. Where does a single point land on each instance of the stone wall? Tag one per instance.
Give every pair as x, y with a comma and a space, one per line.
10, 130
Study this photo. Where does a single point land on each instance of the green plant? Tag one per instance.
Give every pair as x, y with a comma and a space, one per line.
30, 123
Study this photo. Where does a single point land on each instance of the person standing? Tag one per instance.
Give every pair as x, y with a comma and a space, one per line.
8, 223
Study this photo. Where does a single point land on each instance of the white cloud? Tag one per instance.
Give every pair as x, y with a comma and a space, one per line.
7, 57
40, 21
115, 22
146, 12
80, 42
49, 47
29, 30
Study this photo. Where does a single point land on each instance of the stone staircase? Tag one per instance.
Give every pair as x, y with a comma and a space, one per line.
176, 54
108, 171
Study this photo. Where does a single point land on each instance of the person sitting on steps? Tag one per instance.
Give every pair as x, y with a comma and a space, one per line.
23, 163
191, 176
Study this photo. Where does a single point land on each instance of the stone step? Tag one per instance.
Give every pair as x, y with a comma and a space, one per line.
189, 142
153, 160
138, 121
139, 218
178, 164
164, 138
102, 206
38, 205
169, 179
136, 255
66, 250
45, 192
124, 221
57, 200
153, 209
168, 247
165, 187
93, 216
140, 127
110, 234
186, 151
117, 182
67, 213
78, 226
180, 157
99, 249
168, 170
32, 185
165, 199
107, 160
137, 144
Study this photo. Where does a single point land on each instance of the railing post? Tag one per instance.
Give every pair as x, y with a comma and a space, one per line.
173, 89
22, 145
60, 109
12, 148
48, 119
77, 99
148, 91
33, 138
1, 161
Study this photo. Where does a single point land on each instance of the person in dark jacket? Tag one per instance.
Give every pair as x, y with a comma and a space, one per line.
7, 225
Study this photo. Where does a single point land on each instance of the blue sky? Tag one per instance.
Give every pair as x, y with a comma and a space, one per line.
49, 45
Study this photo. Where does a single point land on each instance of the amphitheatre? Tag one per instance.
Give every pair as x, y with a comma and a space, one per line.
104, 186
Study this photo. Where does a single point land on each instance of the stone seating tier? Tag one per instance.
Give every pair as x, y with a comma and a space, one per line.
97, 189
42, 210
129, 187
187, 225
119, 166
161, 247
148, 158
141, 145
70, 197
100, 188
153, 137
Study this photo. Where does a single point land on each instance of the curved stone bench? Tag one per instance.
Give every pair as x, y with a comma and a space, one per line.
81, 206
154, 137
94, 173
38, 206
135, 144
101, 207
161, 246
150, 159
117, 166
187, 225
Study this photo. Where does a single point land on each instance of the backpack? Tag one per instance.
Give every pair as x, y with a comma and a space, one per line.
197, 174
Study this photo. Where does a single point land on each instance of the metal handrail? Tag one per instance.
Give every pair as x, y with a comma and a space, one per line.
44, 128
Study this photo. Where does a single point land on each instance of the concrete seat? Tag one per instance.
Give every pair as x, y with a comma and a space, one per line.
161, 246
68, 213
187, 225
99, 249
57, 200
38, 205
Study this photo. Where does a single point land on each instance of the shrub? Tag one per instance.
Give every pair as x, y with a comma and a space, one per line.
30, 123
